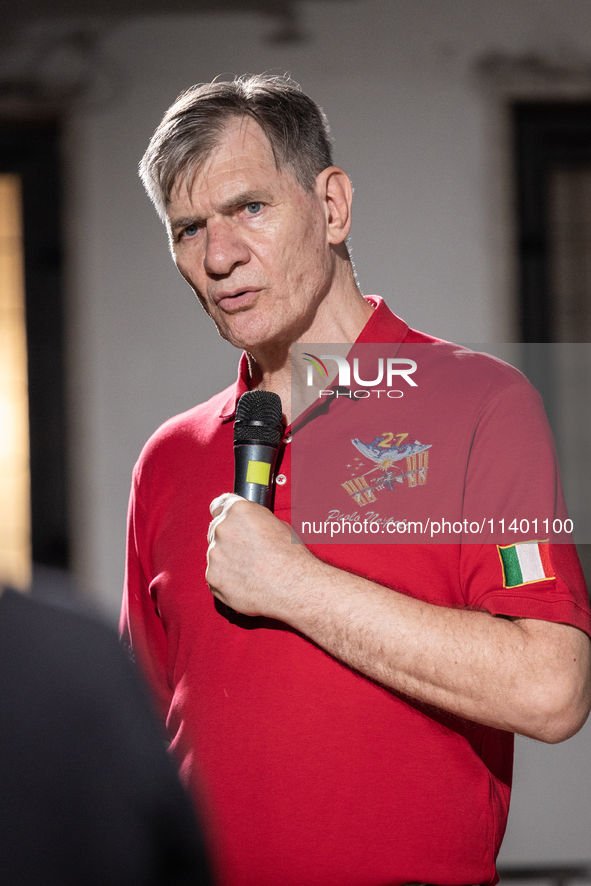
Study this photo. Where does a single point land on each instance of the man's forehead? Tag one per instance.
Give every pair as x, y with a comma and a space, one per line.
242, 153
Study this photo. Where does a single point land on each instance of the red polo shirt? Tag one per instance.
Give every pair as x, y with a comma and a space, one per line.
314, 775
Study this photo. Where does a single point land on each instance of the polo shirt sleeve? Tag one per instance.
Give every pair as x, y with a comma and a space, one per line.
141, 628
559, 598
512, 474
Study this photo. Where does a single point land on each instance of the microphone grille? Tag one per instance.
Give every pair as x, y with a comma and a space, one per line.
258, 417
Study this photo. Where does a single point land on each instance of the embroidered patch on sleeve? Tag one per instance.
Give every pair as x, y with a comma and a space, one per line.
525, 563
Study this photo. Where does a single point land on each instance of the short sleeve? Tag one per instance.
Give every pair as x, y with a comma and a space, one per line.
526, 570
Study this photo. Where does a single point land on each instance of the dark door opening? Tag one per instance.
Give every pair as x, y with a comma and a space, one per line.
553, 153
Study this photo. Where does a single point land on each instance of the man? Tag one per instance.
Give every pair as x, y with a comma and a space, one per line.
351, 706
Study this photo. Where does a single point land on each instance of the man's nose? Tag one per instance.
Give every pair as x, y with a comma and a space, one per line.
224, 248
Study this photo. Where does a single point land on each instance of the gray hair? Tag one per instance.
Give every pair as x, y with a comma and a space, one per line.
295, 126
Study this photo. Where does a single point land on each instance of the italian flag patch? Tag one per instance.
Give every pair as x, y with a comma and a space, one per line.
525, 562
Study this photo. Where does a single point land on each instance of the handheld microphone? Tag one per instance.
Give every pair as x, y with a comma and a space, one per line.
257, 434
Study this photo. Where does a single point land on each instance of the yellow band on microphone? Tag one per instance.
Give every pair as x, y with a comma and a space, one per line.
258, 472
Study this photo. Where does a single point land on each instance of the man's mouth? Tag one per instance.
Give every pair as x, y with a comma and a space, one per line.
235, 300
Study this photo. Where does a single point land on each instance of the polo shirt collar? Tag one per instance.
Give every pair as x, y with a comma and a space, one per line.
383, 326
241, 387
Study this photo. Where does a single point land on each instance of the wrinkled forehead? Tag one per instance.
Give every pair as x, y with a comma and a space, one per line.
240, 148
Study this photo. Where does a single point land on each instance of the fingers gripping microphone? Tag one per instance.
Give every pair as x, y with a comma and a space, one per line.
257, 434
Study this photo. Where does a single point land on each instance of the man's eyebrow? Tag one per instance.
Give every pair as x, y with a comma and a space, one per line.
184, 222
254, 196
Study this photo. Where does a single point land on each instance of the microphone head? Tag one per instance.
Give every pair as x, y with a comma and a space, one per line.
258, 418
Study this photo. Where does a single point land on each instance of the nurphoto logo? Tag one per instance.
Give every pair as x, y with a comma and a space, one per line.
388, 372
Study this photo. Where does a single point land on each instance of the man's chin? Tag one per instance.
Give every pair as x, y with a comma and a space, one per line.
262, 348
245, 330
242, 342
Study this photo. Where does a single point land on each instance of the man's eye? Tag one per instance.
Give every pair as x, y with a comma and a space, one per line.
253, 208
190, 231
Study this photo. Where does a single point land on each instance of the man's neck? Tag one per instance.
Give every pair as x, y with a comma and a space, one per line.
339, 320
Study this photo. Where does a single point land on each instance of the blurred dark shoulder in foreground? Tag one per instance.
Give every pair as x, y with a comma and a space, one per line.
89, 794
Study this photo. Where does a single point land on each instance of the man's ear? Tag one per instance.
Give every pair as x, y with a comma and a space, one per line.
334, 189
